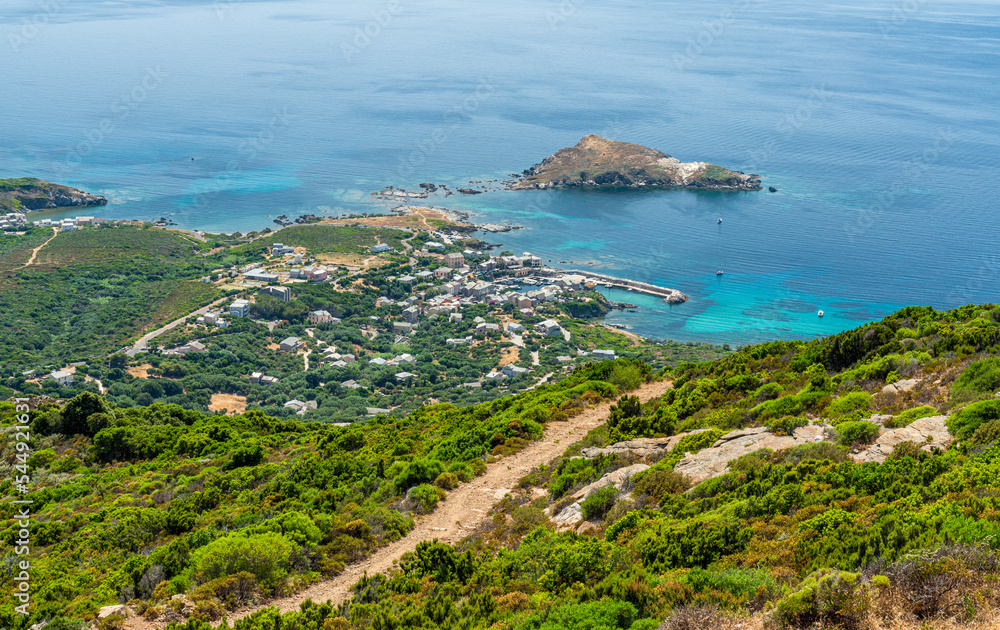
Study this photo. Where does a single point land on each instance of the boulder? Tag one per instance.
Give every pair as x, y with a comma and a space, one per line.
116, 609
900, 386
569, 515
917, 432
616, 479
587, 527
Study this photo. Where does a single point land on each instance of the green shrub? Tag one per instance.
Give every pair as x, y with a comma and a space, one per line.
769, 391
816, 450
424, 497
786, 425
850, 406
905, 449
987, 433
825, 599
606, 614
419, 471
661, 482
599, 502
859, 432
964, 423
981, 377
265, 556
446, 481
250, 455
910, 416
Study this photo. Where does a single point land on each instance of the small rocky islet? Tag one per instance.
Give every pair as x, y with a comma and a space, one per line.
597, 162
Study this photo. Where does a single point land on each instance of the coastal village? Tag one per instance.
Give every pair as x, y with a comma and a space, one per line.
451, 321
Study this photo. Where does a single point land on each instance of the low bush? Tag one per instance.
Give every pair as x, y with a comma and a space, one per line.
849, 406
835, 599
265, 556
858, 432
964, 423
786, 425
910, 416
598, 503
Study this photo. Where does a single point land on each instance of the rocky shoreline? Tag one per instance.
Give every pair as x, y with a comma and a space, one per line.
29, 193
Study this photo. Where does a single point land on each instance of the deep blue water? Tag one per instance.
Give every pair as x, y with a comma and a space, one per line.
877, 121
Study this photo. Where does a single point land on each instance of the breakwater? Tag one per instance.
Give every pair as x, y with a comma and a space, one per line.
670, 296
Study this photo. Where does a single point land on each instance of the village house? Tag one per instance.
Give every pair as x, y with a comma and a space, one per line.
486, 328
454, 260
548, 328
291, 344
404, 376
515, 328
604, 355
321, 317
314, 274
513, 371
381, 248
61, 377
383, 301
411, 314
402, 327
442, 272
280, 249
193, 346
258, 378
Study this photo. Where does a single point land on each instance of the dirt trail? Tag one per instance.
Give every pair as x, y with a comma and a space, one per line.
35, 251
455, 517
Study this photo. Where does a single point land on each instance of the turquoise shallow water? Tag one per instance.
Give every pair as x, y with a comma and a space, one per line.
877, 121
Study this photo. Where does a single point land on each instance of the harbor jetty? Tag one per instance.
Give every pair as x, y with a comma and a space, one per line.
670, 296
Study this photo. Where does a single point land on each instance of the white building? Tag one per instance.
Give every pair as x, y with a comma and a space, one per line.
240, 308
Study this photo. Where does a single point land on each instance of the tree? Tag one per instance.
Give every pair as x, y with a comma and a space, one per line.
81, 407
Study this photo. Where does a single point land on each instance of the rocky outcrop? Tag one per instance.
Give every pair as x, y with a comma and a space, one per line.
28, 193
116, 609
642, 447
573, 513
597, 162
918, 432
712, 462
616, 478
900, 386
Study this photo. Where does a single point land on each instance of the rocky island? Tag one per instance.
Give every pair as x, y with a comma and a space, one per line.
29, 193
597, 162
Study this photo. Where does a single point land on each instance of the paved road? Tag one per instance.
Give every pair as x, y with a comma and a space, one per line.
141, 344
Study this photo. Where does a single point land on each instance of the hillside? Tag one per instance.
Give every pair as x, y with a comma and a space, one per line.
597, 162
29, 193
834, 520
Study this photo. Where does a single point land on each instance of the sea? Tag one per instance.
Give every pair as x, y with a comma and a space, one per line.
877, 122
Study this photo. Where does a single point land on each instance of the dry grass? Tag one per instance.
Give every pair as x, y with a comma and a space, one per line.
509, 355
420, 217
232, 403
140, 371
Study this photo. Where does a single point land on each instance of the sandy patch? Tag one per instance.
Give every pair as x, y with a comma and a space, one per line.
232, 403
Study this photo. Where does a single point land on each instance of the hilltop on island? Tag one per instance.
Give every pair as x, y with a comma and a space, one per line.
29, 193
597, 162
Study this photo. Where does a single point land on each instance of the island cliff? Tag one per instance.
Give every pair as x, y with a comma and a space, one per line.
597, 162
29, 193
